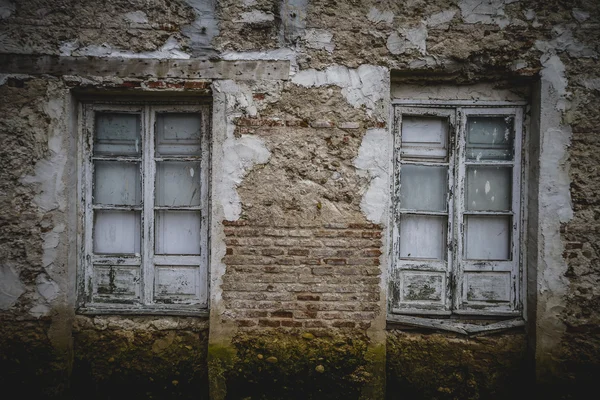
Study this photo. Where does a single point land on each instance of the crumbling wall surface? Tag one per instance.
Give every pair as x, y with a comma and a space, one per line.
140, 358
438, 366
300, 194
33, 231
581, 315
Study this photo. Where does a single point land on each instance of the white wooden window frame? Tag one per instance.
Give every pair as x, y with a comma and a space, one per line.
453, 301
148, 300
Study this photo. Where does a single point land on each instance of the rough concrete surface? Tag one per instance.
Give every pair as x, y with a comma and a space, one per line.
302, 145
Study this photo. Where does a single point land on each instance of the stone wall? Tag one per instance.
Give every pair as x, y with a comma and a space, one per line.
300, 196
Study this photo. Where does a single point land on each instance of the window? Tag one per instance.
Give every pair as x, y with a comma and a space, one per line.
457, 210
145, 208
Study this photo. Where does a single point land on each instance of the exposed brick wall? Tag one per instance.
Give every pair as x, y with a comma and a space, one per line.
318, 277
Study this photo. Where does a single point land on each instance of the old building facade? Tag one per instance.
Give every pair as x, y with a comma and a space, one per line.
308, 199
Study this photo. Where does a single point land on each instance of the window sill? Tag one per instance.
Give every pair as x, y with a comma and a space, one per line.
143, 311
468, 329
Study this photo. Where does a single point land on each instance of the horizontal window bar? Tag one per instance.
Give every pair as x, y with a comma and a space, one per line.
416, 212
424, 163
117, 158
117, 260
176, 208
182, 158
491, 163
113, 207
507, 213
452, 103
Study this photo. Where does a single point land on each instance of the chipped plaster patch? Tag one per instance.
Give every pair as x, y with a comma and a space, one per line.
319, 39
486, 12
408, 39
283, 53
372, 163
580, 15
255, 17
239, 154
376, 16
47, 288
203, 29
138, 17
6, 8
565, 41
171, 50
440, 20
365, 86
11, 287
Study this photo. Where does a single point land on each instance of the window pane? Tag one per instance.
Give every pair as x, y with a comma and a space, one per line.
423, 237
116, 232
117, 134
117, 280
423, 187
117, 183
178, 134
490, 138
177, 232
424, 137
489, 188
488, 237
178, 184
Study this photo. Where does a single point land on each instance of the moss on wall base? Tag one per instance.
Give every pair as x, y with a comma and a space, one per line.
281, 365
29, 364
443, 367
140, 364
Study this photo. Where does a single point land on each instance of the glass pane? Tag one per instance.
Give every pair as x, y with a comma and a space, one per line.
117, 183
424, 137
423, 237
116, 232
117, 134
178, 134
177, 232
178, 183
490, 138
489, 188
488, 237
423, 187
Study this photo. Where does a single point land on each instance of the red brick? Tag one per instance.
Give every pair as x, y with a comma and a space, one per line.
298, 252
343, 324
282, 314
308, 297
272, 252
269, 323
335, 261
244, 323
291, 324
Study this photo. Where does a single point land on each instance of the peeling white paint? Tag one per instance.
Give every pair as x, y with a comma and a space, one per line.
592, 83
293, 21
11, 287
256, 17
239, 154
7, 7
518, 64
486, 12
372, 162
319, 39
408, 39
376, 16
440, 20
138, 17
171, 49
365, 86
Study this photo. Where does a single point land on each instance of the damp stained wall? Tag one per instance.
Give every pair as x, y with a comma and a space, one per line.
301, 179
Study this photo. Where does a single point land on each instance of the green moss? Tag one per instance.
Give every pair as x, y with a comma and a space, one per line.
140, 364
276, 365
29, 364
443, 367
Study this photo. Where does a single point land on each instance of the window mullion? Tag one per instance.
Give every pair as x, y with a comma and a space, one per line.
459, 188
88, 140
148, 241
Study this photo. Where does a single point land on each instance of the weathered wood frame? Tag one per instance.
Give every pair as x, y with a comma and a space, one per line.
455, 303
147, 260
